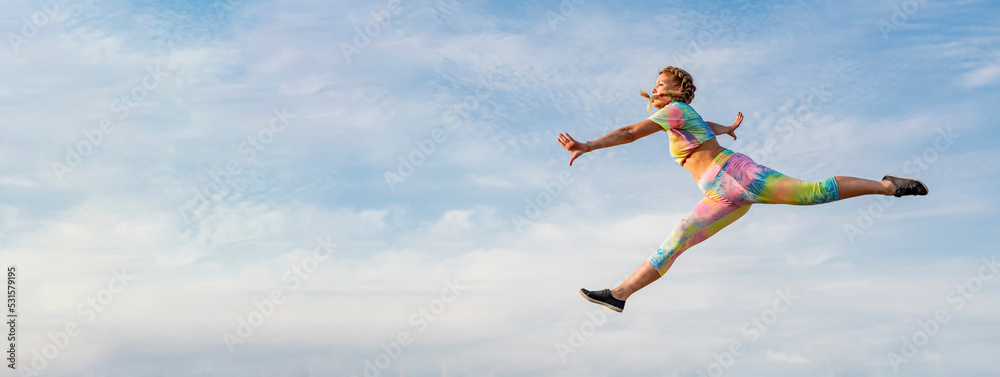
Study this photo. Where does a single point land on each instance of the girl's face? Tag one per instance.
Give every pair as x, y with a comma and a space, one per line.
663, 85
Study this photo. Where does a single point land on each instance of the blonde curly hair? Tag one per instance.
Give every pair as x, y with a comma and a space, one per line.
681, 79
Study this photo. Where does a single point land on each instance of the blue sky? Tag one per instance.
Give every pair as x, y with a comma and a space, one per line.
238, 134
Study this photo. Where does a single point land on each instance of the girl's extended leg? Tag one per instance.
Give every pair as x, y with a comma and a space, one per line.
850, 187
744, 181
709, 216
772, 187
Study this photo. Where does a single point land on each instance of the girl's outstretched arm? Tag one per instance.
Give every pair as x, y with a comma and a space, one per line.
730, 130
622, 135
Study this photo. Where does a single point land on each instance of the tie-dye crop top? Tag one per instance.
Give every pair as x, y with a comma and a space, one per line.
686, 129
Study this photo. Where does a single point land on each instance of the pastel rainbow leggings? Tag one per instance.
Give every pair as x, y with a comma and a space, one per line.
731, 184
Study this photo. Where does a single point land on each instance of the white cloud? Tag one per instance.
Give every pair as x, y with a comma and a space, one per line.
787, 358
453, 221
983, 76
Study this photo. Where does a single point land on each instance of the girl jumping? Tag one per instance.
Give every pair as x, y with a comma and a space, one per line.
731, 181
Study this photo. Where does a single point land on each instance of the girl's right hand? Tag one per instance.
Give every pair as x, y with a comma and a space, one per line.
575, 148
736, 124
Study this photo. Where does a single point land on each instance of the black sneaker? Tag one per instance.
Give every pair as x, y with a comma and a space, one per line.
906, 186
603, 297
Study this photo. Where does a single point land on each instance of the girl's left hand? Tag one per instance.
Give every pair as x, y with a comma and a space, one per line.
732, 127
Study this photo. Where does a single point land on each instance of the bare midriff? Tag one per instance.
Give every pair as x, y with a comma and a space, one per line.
701, 158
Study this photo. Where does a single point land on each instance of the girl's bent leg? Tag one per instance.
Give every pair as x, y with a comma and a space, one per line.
851, 187
640, 278
709, 216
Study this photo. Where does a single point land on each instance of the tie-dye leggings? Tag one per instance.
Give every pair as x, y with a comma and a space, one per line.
731, 184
